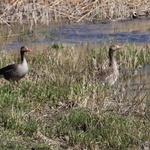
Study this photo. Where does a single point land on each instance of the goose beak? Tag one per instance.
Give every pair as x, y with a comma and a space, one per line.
28, 49
118, 46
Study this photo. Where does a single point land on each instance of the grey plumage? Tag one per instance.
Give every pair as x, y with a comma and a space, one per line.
15, 72
110, 75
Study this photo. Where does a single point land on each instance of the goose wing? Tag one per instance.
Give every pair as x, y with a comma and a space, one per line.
103, 76
9, 71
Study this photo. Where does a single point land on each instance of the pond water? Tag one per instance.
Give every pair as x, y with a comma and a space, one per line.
128, 31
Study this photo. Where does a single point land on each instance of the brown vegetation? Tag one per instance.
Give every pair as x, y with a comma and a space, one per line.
48, 11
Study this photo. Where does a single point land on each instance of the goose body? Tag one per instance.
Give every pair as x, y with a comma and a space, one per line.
15, 72
110, 75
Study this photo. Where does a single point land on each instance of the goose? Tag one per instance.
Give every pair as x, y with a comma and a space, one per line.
110, 75
15, 72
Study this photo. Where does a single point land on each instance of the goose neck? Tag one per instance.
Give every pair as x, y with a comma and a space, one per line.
22, 56
111, 57
112, 62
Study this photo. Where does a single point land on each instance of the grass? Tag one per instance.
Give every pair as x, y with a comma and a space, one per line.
48, 12
55, 107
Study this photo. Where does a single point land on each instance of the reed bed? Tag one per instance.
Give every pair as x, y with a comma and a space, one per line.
54, 11
55, 106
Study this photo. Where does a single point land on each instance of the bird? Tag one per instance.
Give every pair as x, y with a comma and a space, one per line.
134, 15
110, 75
15, 72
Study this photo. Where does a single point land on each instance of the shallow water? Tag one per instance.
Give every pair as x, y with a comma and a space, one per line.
128, 31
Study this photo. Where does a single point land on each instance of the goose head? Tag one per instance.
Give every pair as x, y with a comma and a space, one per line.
25, 49
115, 47
112, 49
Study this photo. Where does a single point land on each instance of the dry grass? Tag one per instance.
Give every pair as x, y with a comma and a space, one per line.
46, 12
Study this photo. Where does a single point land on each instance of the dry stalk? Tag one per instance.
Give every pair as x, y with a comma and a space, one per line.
48, 140
45, 12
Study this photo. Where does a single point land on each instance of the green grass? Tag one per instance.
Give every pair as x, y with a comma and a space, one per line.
87, 130
55, 106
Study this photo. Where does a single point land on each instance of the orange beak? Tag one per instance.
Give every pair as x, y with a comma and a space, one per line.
28, 49
118, 46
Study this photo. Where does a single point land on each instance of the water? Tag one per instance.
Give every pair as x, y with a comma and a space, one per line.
132, 31
135, 31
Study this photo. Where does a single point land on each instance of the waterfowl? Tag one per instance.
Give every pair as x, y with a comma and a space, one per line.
15, 72
134, 15
110, 75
